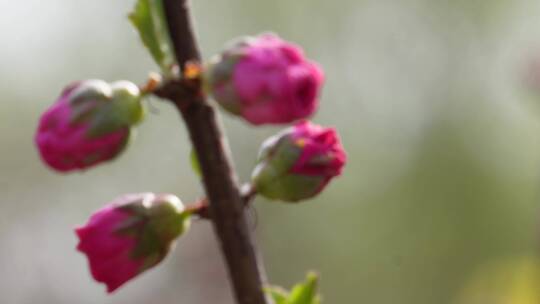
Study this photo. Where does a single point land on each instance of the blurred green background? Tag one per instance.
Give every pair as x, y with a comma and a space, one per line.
443, 141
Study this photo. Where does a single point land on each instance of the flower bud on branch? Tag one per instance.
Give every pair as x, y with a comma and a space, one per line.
299, 162
90, 123
130, 235
266, 80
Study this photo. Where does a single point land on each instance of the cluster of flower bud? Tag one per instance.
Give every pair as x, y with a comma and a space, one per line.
266, 80
262, 79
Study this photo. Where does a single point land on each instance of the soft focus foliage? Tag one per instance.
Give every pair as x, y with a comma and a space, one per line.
509, 281
443, 144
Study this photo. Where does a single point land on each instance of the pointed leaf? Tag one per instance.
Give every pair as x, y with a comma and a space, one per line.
305, 293
302, 293
149, 20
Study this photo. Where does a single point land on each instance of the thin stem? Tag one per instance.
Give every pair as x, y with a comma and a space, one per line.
199, 209
201, 206
220, 181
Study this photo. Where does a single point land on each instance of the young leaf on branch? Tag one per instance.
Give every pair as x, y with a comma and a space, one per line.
149, 21
302, 293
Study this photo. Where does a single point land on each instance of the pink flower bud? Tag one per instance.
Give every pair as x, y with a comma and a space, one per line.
299, 162
89, 123
130, 235
266, 80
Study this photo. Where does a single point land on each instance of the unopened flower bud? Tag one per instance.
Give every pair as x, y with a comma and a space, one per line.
90, 123
298, 163
130, 235
266, 80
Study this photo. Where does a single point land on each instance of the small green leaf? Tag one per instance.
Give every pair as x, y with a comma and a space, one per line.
302, 293
149, 20
278, 294
305, 293
195, 163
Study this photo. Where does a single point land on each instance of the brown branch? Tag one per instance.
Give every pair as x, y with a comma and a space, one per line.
220, 181
200, 208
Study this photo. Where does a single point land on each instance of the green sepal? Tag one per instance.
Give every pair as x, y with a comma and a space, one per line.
130, 96
149, 20
123, 110
280, 152
157, 237
167, 219
108, 119
86, 98
290, 187
156, 221
106, 108
218, 80
272, 176
92, 89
